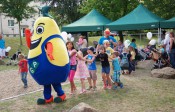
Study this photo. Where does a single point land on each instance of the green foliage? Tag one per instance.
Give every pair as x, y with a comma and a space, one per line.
115, 9
163, 8
17, 9
112, 9
64, 11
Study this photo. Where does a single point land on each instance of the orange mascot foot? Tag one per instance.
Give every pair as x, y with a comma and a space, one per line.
43, 101
60, 98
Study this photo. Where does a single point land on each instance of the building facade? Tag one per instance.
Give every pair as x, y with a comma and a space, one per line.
9, 26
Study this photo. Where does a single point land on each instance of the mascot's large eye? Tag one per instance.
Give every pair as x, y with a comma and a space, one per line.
39, 30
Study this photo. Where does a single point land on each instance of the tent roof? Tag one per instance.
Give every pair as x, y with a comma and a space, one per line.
93, 21
168, 23
139, 18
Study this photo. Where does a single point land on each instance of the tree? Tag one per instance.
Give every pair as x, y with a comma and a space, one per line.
163, 8
65, 11
112, 9
17, 9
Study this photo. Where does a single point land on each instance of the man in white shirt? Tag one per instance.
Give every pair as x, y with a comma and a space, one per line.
167, 43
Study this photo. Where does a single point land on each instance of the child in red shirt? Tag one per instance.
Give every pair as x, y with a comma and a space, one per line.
23, 69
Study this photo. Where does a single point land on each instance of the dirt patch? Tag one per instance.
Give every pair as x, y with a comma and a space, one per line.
11, 84
146, 64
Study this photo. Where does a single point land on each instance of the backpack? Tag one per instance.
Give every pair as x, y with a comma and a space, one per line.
124, 62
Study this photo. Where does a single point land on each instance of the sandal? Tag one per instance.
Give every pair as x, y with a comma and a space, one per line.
83, 91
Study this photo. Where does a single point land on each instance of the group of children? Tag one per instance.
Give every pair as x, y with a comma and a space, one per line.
109, 59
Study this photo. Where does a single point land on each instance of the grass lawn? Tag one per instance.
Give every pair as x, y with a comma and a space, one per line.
141, 93
14, 43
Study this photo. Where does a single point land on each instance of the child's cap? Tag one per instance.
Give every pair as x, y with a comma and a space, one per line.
91, 48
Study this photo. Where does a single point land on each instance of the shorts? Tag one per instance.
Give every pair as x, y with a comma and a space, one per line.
72, 72
2, 52
116, 76
106, 70
73, 67
93, 74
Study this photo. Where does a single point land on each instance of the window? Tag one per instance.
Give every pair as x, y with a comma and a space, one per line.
10, 22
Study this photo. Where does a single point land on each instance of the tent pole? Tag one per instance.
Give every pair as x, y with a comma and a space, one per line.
140, 37
158, 35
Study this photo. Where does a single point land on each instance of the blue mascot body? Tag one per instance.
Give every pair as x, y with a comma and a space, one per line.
48, 58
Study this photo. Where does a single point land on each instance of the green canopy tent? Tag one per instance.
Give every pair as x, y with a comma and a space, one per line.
93, 21
140, 18
168, 23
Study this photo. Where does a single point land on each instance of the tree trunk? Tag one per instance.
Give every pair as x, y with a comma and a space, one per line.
125, 9
20, 33
121, 36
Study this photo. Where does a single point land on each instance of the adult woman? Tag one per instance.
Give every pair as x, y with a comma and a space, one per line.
82, 42
119, 47
172, 49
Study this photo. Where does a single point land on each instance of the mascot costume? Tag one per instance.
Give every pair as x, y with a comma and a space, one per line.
48, 57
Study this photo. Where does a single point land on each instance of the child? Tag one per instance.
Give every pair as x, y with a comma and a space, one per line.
125, 60
161, 50
109, 51
132, 61
116, 70
92, 68
73, 63
82, 70
105, 67
23, 69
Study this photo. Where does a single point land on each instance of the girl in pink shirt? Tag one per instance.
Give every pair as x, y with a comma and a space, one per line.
73, 65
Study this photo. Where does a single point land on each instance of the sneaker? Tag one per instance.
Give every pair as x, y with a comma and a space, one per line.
94, 88
121, 85
114, 87
109, 87
90, 87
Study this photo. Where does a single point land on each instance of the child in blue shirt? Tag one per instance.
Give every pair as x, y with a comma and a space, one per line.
161, 50
92, 68
116, 70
